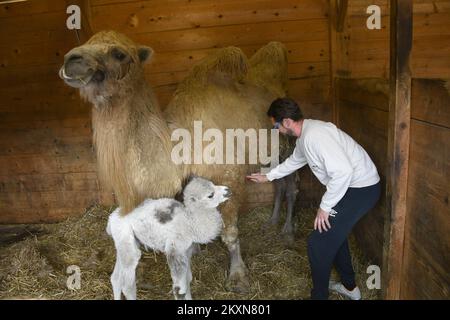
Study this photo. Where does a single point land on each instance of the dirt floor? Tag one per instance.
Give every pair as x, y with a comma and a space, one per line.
34, 261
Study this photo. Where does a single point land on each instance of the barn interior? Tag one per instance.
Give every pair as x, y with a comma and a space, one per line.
388, 88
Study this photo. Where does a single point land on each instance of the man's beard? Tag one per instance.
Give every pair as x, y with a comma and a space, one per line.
290, 132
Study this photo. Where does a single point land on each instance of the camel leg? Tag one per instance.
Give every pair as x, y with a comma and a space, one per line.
291, 191
123, 279
190, 252
237, 279
280, 189
179, 270
115, 281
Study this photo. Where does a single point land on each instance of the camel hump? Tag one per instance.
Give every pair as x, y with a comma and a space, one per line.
268, 68
230, 62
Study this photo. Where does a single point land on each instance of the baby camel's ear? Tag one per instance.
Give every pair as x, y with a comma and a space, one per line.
144, 54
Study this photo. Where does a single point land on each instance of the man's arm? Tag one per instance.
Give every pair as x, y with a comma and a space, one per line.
295, 161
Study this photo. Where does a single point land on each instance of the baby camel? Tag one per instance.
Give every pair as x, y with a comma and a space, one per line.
168, 226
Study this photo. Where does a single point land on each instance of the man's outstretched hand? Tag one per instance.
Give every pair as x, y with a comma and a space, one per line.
257, 177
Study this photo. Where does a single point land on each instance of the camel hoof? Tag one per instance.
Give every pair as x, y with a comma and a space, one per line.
238, 282
270, 224
287, 230
289, 239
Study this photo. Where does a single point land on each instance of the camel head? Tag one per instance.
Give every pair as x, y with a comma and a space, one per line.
104, 66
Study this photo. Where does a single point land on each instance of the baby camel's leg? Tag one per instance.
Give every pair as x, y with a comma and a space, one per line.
123, 278
192, 249
115, 280
180, 272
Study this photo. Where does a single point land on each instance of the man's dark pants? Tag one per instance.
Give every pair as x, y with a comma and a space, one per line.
331, 246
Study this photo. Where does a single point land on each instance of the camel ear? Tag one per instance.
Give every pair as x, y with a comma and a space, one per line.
144, 54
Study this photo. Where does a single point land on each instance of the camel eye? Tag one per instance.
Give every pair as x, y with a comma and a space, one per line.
118, 54
211, 195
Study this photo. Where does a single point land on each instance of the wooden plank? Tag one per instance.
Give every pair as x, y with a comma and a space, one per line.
21, 55
30, 8
50, 215
341, 7
368, 126
29, 23
40, 97
431, 68
359, 7
10, 234
24, 75
338, 47
372, 93
308, 70
96, 3
75, 161
430, 102
398, 146
59, 127
427, 237
369, 59
367, 68
320, 111
12, 165
33, 182
78, 181
237, 35
312, 90
136, 17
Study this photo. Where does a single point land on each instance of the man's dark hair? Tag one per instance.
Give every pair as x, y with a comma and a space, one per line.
284, 108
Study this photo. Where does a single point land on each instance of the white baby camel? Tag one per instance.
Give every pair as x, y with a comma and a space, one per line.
169, 226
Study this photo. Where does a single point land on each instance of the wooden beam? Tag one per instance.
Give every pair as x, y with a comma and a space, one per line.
338, 47
398, 145
341, 12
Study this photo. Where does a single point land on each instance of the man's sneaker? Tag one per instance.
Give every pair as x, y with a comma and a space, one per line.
338, 287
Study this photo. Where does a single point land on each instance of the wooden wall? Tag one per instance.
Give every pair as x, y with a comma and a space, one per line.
364, 53
47, 165
427, 230
363, 111
360, 71
47, 168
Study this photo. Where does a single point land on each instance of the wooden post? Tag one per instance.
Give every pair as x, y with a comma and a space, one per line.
341, 13
338, 48
398, 145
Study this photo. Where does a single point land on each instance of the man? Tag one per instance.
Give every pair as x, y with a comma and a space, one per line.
352, 189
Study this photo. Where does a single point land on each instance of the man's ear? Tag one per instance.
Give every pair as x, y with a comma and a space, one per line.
144, 54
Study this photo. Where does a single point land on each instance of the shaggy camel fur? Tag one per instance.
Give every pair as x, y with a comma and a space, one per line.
132, 135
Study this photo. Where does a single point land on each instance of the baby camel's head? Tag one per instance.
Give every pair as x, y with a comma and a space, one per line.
202, 192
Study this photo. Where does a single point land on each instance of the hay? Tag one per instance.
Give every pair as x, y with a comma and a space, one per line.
35, 268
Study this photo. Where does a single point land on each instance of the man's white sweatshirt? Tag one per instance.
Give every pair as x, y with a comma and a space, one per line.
337, 160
